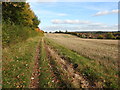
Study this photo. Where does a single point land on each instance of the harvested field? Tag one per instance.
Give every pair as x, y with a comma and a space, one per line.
73, 77
101, 55
105, 51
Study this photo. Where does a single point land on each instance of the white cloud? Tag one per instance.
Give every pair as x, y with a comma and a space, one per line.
115, 11
80, 28
58, 21
62, 14
106, 12
77, 22
78, 25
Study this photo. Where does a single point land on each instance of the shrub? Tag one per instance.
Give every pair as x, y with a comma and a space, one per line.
83, 36
100, 37
110, 36
12, 34
118, 37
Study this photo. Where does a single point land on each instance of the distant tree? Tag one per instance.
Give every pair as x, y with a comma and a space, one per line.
66, 31
56, 31
99, 32
110, 36
118, 37
83, 36
100, 37
60, 31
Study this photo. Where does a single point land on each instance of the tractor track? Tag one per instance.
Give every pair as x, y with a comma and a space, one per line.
77, 80
58, 79
74, 78
36, 71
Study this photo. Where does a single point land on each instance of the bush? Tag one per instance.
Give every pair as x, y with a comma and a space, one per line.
118, 37
110, 36
12, 34
100, 37
83, 36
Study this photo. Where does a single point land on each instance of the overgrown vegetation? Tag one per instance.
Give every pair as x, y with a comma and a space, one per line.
19, 23
20, 38
12, 34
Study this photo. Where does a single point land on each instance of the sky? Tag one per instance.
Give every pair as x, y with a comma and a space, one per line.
76, 16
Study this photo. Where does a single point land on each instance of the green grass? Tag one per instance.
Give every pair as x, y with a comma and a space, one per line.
18, 61
12, 34
90, 68
46, 75
62, 81
65, 81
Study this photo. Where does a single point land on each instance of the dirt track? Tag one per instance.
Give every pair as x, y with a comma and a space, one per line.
77, 80
69, 74
35, 75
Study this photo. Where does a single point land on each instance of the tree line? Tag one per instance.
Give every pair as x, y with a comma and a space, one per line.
94, 35
18, 22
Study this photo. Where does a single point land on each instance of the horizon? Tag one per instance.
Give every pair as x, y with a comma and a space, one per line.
84, 31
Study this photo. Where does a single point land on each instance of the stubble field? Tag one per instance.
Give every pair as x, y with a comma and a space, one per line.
102, 55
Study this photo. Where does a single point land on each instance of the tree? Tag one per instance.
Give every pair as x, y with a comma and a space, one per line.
12, 11
118, 37
110, 36
35, 22
19, 22
100, 37
19, 13
66, 31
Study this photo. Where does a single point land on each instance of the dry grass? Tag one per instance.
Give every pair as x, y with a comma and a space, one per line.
104, 52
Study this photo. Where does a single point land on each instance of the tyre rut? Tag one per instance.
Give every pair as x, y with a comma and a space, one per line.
36, 72
77, 80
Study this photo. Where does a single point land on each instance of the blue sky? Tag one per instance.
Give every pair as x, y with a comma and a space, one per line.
76, 16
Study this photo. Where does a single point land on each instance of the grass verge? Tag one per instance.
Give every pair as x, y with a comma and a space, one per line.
46, 75
17, 63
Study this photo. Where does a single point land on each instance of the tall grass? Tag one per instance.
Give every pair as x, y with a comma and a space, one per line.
12, 33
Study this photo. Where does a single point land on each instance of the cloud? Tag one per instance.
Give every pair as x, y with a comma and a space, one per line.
58, 21
78, 25
62, 14
106, 12
81, 28
76, 22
